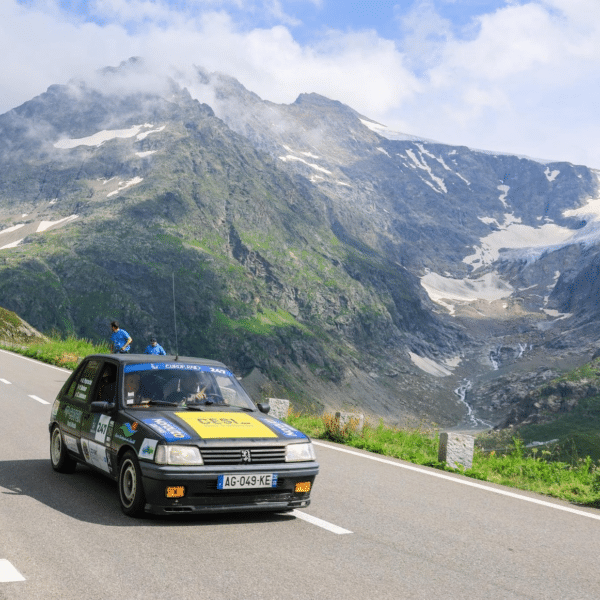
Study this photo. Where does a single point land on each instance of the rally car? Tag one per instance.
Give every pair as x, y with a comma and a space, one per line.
179, 435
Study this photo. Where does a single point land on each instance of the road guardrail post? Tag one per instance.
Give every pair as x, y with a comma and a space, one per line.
279, 407
456, 450
355, 420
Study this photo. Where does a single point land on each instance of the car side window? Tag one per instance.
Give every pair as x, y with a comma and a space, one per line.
81, 385
106, 389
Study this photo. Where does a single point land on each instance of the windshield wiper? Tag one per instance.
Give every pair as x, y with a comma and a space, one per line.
162, 403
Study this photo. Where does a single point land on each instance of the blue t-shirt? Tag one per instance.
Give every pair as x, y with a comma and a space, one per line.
119, 339
158, 349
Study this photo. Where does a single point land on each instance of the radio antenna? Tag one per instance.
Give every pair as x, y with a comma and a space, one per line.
175, 319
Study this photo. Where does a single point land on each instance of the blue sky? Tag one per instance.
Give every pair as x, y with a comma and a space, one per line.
519, 76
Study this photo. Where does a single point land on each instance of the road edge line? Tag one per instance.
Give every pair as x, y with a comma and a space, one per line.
474, 484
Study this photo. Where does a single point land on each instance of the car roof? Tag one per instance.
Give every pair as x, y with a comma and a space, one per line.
125, 359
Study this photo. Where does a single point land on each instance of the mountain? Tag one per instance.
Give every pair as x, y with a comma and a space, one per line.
321, 255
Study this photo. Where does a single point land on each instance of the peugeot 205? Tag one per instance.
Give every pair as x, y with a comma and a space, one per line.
178, 435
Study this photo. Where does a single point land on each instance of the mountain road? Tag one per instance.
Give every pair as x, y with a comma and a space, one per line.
377, 528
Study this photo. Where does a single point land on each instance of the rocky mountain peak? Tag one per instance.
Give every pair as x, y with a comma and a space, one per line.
352, 265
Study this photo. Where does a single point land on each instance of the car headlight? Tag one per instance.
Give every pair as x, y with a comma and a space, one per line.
178, 455
299, 452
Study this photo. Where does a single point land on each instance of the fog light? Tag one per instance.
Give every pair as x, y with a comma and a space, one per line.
302, 487
176, 491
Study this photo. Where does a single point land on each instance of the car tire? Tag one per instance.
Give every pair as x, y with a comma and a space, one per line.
131, 487
59, 457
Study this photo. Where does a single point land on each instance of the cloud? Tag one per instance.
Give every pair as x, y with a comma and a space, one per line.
521, 81
521, 78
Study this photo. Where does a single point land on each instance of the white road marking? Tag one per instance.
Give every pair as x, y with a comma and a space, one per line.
5, 381
8, 572
38, 399
468, 482
319, 522
37, 362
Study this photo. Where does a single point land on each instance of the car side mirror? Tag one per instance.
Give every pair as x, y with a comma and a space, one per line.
264, 407
102, 407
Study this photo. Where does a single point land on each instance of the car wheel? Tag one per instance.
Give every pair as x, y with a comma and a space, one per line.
131, 488
59, 457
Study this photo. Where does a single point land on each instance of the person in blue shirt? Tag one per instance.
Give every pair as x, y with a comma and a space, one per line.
120, 339
154, 348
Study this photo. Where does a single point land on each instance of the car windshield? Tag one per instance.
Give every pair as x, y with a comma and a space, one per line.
197, 387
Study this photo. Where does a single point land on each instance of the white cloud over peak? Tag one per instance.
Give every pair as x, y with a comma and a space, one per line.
523, 77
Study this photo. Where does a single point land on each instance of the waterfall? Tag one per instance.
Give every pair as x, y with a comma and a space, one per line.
461, 392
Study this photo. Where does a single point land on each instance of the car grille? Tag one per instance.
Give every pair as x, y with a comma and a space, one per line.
233, 456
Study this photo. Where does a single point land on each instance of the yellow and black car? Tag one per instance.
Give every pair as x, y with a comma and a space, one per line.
179, 435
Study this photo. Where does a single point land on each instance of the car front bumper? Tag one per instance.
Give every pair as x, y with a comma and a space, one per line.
202, 495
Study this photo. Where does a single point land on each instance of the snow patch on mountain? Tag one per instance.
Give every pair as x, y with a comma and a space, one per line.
291, 156
422, 164
123, 185
13, 228
442, 290
12, 244
44, 225
514, 240
504, 189
99, 138
389, 134
429, 366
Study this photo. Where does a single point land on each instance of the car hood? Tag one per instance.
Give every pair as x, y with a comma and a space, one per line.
209, 426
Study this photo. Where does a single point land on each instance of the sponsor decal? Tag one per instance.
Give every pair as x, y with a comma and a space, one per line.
168, 430
73, 414
70, 443
95, 454
82, 391
175, 367
109, 432
226, 425
147, 449
128, 429
283, 428
101, 428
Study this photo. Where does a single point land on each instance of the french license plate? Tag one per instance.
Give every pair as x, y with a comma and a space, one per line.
237, 481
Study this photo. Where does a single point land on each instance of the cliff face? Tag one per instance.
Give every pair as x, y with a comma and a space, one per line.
14, 331
350, 265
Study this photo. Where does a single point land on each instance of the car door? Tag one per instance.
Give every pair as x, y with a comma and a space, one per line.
72, 402
97, 427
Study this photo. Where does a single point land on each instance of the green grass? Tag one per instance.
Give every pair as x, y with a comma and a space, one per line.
516, 466
262, 323
59, 351
576, 433
8, 319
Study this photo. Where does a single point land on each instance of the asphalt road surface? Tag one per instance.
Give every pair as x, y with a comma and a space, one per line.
377, 528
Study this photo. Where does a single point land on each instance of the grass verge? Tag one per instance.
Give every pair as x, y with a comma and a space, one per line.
62, 352
533, 469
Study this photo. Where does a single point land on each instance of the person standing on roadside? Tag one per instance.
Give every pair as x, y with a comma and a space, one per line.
154, 348
120, 339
